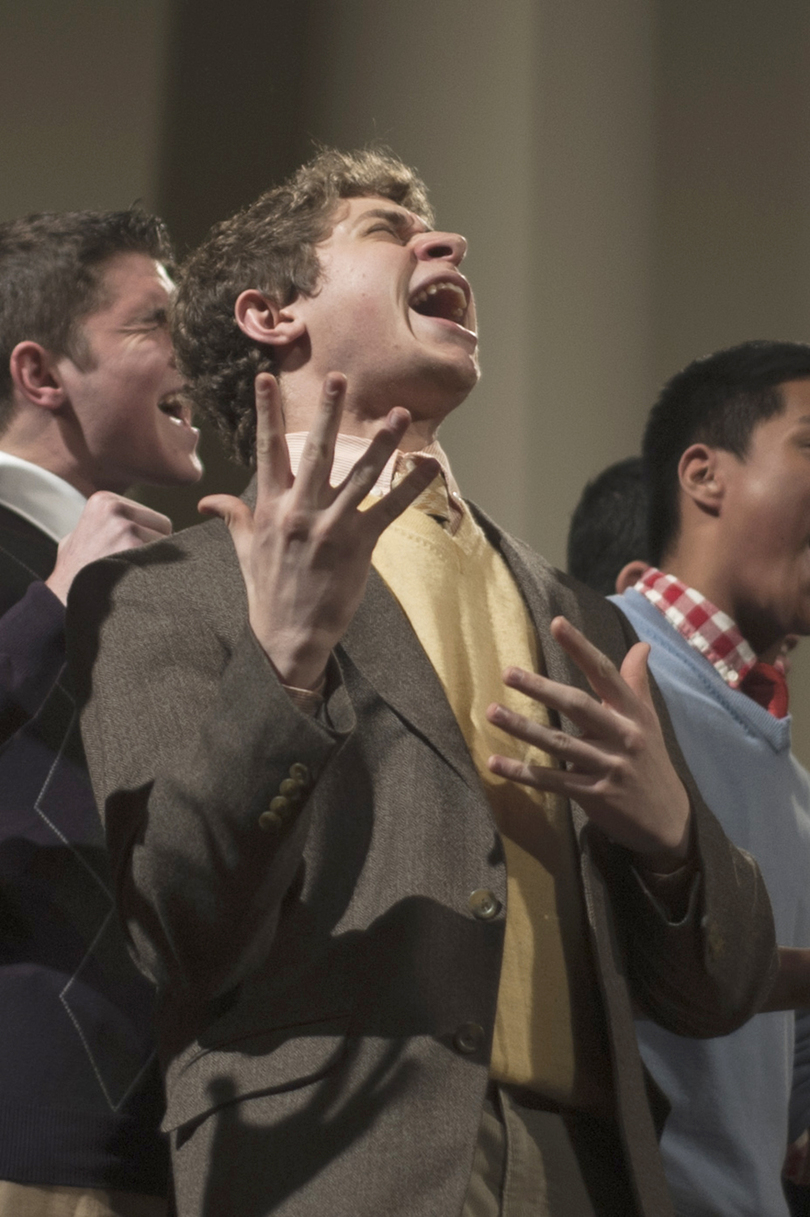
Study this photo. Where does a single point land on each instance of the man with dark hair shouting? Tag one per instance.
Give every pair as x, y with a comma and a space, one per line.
393, 952
90, 403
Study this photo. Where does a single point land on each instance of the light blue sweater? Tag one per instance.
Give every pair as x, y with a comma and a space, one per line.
725, 1139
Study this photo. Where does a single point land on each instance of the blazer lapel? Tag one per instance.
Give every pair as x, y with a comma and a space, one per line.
381, 643
540, 588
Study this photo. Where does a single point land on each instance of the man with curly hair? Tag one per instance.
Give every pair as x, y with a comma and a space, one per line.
395, 957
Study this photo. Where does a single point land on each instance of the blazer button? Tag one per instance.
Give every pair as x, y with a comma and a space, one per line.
273, 819
299, 773
290, 788
469, 1038
484, 904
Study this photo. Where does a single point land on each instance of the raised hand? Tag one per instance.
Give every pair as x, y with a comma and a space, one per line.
108, 524
305, 550
618, 769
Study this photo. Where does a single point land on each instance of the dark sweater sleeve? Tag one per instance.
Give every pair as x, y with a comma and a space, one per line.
32, 654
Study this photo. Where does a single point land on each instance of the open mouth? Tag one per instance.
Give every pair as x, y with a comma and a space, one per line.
443, 299
177, 409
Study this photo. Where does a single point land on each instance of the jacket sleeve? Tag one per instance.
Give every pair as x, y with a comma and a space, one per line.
708, 972
189, 739
32, 655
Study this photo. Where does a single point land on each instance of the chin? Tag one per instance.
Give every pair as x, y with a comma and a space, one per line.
184, 473
455, 382
190, 475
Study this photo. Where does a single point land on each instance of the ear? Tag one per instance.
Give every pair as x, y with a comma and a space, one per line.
630, 574
33, 370
266, 322
700, 476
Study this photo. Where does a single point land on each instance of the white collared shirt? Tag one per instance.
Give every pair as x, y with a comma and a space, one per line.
349, 449
43, 499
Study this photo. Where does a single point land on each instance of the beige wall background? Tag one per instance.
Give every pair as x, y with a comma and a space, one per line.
633, 178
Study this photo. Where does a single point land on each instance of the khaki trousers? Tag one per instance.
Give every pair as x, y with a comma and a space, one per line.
30, 1200
535, 1163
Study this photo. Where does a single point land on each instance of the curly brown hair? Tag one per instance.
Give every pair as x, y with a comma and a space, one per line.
269, 246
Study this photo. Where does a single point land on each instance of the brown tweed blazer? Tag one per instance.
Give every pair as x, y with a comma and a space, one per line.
328, 985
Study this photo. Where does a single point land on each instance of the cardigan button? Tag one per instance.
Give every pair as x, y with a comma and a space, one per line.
484, 904
469, 1038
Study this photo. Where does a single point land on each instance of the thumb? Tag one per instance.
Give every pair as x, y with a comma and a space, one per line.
233, 511
239, 520
635, 672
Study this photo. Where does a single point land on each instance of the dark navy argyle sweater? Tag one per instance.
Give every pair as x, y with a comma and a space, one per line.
80, 1095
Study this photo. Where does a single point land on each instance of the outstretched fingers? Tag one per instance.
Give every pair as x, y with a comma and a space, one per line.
363, 475
602, 675
392, 505
594, 719
567, 782
273, 473
319, 450
557, 743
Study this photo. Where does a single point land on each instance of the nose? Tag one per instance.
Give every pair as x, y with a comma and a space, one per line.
444, 246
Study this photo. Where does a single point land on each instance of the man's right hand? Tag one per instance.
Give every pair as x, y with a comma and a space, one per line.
305, 550
108, 524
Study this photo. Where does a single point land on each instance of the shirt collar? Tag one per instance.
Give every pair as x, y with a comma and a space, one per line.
349, 449
42, 498
704, 626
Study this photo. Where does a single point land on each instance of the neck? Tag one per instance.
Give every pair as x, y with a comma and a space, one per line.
43, 443
713, 577
363, 414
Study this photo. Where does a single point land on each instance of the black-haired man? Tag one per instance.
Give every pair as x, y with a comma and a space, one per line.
90, 403
313, 838
727, 450
607, 537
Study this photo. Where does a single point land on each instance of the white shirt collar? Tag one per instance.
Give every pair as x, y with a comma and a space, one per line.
42, 498
349, 448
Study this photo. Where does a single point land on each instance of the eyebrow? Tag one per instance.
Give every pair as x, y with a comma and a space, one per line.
401, 220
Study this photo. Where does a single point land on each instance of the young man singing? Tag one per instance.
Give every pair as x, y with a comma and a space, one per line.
395, 957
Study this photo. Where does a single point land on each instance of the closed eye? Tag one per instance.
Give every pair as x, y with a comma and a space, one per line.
386, 228
157, 320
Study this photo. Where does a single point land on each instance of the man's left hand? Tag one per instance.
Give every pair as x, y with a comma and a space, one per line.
618, 769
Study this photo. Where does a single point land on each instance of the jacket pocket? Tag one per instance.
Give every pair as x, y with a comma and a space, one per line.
263, 1062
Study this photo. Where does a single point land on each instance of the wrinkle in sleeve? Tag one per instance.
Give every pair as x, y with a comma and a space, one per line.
32, 655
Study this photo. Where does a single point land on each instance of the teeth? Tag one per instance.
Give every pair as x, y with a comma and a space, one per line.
422, 297
174, 412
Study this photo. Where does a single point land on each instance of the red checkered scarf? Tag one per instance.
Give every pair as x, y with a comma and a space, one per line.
704, 626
